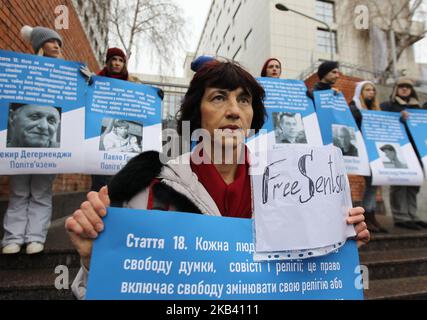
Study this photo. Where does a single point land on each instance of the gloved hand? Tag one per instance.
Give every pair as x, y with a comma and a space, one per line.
160, 93
84, 70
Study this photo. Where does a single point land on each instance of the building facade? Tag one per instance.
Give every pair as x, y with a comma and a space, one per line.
94, 17
252, 31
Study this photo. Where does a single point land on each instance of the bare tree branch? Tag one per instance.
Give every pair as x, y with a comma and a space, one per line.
156, 24
394, 15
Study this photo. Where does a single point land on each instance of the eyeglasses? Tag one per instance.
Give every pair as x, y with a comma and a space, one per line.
407, 86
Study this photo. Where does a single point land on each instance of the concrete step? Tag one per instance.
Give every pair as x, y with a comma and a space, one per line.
58, 251
398, 263
397, 239
35, 284
401, 288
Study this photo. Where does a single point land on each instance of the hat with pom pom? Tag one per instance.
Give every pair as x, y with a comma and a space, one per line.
39, 35
200, 61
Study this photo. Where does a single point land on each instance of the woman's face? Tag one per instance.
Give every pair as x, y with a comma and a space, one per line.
273, 69
116, 64
52, 49
229, 111
368, 92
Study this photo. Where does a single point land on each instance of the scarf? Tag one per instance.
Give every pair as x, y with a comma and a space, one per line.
104, 73
233, 200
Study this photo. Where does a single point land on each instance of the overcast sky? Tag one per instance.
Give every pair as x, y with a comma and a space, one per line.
195, 12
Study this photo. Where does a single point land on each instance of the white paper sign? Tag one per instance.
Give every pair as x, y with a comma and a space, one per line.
301, 201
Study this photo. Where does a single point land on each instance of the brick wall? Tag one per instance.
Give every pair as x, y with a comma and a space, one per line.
14, 14
347, 85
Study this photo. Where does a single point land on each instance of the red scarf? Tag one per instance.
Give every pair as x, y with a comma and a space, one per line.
122, 76
233, 200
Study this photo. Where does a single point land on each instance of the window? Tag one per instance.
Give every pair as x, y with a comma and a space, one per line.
226, 32
236, 55
324, 40
217, 49
236, 12
219, 15
325, 11
248, 39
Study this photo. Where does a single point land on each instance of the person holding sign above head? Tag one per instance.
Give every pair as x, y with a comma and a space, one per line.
365, 97
222, 97
28, 215
328, 73
272, 68
116, 68
403, 199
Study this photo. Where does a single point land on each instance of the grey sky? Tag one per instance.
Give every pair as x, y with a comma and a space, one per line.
195, 12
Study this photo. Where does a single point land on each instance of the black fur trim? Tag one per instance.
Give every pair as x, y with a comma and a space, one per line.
169, 196
135, 176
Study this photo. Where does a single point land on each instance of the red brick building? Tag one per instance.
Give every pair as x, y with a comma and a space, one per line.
14, 14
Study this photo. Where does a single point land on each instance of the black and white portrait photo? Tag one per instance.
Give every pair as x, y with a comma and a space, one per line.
121, 136
392, 156
289, 128
345, 138
33, 126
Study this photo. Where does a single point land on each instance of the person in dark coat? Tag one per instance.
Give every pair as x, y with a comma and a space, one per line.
403, 199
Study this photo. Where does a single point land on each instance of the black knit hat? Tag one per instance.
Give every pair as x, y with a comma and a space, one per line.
326, 67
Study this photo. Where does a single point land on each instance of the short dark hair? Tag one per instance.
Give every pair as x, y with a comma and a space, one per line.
223, 75
387, 147
287, 114
14, 106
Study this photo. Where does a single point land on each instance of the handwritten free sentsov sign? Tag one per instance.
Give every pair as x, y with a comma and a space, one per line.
302, 200
155, 255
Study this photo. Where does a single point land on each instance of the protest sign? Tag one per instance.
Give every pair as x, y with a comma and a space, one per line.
339, 128
155, 255
301, 202
291, 115
123, 119
392, 158
41, 115
417, 124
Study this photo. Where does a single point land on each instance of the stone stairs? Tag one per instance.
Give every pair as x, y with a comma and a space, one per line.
32, 277
397, 264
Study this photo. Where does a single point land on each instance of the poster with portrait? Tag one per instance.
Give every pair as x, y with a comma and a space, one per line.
392, 158
417, 124
41, 115
339, 128
291, 115
123, 119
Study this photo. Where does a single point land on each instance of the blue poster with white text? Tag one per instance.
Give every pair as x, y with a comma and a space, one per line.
417, 124
392, 158
41, 115
157, 255
123, 119
339, 128
291, 115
